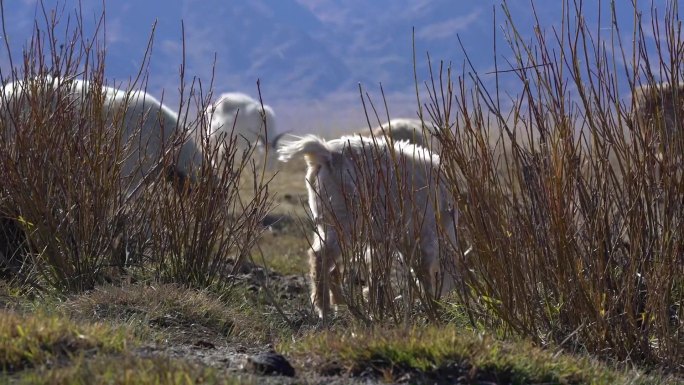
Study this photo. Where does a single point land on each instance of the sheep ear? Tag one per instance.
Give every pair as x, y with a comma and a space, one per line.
277, 138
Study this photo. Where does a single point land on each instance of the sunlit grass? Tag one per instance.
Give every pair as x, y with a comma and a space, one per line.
158, 311
28, 341
132, 370
445, 352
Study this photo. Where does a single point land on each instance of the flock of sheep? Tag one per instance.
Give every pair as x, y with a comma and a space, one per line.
152, 125
401, 146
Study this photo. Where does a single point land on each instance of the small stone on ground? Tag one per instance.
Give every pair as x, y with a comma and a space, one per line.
270, 363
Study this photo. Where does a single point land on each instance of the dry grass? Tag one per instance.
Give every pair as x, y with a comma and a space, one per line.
160, 308
67, 188
575, 233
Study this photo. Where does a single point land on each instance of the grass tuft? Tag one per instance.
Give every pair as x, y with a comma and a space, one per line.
448, 354
166, 309
33, 340
131, 370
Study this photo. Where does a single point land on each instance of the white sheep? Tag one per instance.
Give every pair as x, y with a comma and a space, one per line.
407, 129
338, 171
148, 125
245, 117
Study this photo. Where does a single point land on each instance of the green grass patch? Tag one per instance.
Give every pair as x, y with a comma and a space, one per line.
28, 341
447, 354
131, 370
13, 296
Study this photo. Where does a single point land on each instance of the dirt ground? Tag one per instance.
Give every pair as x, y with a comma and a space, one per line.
207, 346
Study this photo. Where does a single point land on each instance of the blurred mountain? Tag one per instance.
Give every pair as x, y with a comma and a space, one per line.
303, 51
296, 47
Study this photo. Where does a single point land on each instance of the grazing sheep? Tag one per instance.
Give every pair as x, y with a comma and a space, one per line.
148, 125
247, 119
659, 111
410, 130
338, 172
148, 130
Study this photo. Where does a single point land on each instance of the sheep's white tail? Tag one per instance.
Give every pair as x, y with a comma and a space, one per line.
314, 149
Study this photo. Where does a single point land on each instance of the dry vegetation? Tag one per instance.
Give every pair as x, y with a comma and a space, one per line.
572, 213
577, 241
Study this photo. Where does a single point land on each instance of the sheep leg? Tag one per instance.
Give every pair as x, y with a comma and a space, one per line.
337, 297
429, 272
322, 259
448, 250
